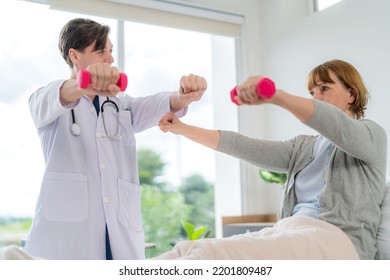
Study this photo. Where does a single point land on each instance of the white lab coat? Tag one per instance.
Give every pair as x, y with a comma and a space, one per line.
90, 180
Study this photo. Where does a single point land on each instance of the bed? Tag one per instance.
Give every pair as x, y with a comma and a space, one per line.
291, 238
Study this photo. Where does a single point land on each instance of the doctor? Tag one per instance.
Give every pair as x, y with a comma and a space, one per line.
89, 205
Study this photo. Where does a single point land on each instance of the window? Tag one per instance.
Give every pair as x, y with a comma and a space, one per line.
153, 63
32, 60
155, 59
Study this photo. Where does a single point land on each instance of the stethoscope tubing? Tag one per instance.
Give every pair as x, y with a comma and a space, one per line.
76, 130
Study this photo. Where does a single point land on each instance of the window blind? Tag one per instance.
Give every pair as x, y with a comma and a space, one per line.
175, 14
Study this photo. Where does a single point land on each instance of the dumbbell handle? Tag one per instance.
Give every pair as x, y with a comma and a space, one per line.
84, 79
265, 88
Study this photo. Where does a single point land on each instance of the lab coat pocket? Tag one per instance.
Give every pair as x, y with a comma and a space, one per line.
130, 204
65, 197
126, 128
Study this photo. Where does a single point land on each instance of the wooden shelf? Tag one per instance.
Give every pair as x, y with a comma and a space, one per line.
232, 225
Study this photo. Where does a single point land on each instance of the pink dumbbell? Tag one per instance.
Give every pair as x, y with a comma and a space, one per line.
265, 89
84, 79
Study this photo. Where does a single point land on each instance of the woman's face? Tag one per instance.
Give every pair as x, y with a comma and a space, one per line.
336, 94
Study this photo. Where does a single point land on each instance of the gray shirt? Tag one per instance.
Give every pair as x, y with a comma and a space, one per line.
355, 179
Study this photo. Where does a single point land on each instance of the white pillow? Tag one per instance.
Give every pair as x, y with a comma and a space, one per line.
383, 237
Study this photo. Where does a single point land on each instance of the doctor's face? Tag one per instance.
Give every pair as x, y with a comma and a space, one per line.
90, 56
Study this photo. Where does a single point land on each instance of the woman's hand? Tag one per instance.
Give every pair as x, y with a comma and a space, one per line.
170, 123
206, 137
247, 92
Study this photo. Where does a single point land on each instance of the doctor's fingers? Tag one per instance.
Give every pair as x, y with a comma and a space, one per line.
112, 90
192, 96
114, 75
105, 78
103, 75
192, 83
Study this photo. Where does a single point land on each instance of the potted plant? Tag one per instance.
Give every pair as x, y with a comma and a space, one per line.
273, 177
193, 233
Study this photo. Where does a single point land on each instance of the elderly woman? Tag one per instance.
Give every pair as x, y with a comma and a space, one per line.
337, 177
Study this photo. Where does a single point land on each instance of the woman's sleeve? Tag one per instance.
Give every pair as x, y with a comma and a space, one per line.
272, 155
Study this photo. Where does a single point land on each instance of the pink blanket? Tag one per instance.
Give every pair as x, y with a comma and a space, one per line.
298, 238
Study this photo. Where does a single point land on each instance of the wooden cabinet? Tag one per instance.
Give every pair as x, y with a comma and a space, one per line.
232, 225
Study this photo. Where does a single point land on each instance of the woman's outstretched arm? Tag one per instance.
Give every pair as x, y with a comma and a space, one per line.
206, 137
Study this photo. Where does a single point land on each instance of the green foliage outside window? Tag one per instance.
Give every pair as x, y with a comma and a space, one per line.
199, 194
170, 214
162, 213
13, 230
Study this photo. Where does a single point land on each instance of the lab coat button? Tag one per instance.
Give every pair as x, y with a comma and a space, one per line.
102, 165
98, 134
92, 110
105, 199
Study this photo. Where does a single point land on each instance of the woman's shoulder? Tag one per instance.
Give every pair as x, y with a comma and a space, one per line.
375, 127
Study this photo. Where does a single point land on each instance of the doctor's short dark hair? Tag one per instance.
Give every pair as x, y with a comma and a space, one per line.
80, 33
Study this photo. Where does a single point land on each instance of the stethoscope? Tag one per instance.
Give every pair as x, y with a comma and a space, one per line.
76, 130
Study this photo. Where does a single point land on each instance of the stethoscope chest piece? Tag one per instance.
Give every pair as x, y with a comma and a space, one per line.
75, 129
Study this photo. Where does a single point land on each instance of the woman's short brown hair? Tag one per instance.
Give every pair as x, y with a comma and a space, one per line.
348, 76
80, 33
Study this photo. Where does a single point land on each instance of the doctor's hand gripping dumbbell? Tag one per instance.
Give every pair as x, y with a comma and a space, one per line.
104, 79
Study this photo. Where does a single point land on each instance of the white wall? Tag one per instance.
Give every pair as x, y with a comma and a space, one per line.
353, 30
285, 40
